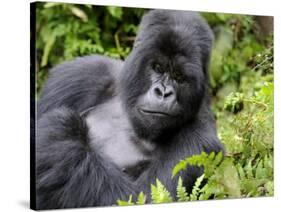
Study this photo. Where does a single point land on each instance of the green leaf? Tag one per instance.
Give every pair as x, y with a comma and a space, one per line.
79, 13
261, 172
208, 161
269, 186
249, 170
240, 171
159, 194
51, 4
141, 199
218, 158
228, 176
125, 203
179, 166
116, 12
181, 191
47, 49
196, 188
252, 185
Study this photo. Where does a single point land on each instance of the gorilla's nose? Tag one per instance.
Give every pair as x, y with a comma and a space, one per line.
166, 93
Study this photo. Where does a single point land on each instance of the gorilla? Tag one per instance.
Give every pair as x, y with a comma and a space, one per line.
107, 129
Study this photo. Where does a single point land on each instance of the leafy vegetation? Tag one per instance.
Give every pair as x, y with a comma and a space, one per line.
241, 75
66, 31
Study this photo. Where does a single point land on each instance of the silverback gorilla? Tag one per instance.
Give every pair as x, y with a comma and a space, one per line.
107, 128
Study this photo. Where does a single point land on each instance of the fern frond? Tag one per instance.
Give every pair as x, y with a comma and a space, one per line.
159, 193
141, 199
196, 188
181, 191
125, 203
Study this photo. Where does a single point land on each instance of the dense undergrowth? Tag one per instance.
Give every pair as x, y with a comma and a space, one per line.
241, 81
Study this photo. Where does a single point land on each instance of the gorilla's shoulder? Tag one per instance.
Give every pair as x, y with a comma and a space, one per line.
80, 83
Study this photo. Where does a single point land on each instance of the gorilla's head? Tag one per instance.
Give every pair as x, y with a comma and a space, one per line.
165, 76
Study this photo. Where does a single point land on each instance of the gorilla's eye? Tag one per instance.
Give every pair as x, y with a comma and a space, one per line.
157, 68
179, 77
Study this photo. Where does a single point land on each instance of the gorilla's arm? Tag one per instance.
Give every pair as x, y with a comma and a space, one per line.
69, 172
80, 84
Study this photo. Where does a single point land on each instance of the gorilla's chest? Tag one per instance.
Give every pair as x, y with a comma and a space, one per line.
112, 135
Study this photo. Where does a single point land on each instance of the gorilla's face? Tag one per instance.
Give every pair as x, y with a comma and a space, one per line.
163, 85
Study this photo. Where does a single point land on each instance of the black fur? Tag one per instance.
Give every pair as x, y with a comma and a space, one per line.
71, 172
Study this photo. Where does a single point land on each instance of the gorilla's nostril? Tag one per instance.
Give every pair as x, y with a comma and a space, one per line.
167, 94
158, 92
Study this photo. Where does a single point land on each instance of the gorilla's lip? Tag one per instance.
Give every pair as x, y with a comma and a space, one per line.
153, 112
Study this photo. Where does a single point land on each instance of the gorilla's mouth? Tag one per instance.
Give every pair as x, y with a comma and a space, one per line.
153, 112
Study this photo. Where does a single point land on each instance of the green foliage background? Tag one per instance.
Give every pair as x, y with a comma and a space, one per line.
241, 74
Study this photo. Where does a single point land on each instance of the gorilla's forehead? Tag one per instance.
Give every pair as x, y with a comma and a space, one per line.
169, 46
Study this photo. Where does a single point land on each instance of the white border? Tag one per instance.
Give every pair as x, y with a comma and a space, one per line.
14, 105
